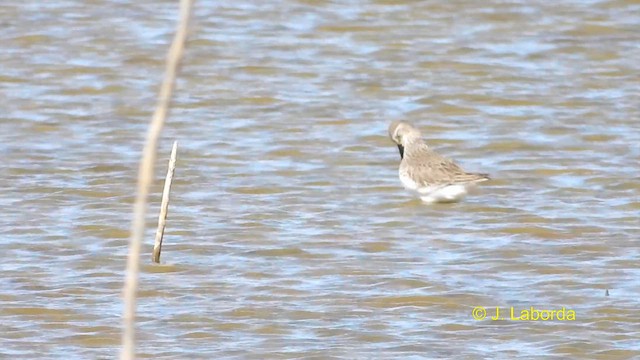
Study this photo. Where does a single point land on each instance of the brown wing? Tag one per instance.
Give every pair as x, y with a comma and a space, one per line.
429, 168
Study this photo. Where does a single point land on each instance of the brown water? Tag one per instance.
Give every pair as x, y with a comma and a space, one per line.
289, 233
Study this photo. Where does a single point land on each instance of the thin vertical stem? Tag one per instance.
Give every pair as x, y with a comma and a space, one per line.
164, 207
145, 176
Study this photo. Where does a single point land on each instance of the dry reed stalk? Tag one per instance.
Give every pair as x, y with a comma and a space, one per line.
145, 176
164, 207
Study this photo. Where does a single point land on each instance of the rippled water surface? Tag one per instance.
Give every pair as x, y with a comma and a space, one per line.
289, 234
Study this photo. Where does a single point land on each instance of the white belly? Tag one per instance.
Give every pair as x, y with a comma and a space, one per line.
450, 193
435, 194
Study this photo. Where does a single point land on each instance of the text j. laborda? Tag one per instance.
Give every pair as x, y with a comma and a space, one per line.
528, 314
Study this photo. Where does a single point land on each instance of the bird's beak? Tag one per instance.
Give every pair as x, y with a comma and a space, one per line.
401, 149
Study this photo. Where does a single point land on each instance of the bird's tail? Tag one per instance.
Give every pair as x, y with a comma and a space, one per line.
472, 178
